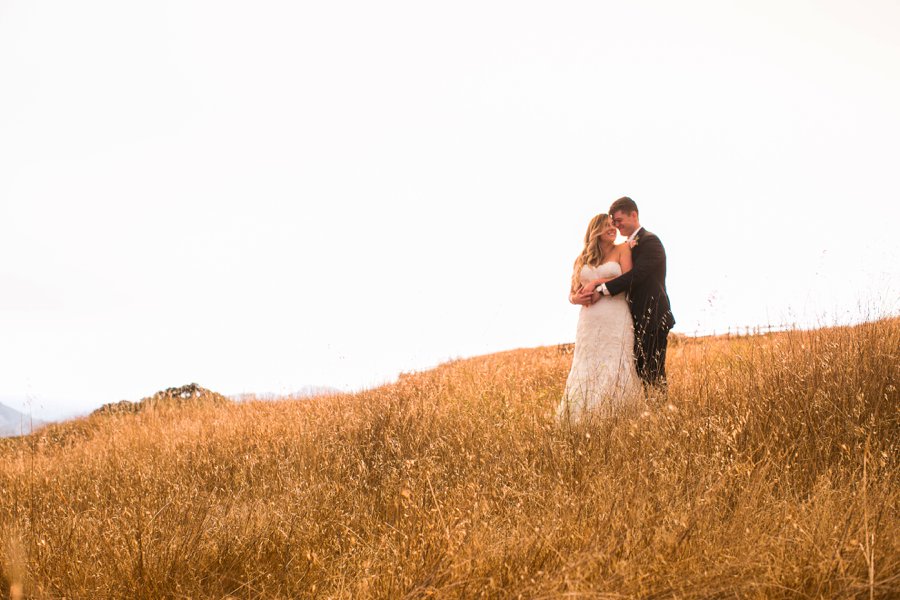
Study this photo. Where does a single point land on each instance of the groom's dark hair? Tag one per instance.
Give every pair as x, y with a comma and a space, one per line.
625, 204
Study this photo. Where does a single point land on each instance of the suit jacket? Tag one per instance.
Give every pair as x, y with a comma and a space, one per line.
645, 285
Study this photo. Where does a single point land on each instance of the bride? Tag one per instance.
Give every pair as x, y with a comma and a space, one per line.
603, 379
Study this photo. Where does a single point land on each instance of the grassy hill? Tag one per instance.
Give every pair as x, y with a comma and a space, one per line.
771, 471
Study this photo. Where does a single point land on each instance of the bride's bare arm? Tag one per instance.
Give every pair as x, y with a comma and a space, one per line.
585, 295
625, 258
575, 296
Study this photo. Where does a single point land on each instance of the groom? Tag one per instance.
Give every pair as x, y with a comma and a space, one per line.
645, 285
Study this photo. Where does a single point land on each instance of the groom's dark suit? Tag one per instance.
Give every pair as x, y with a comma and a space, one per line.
645, 285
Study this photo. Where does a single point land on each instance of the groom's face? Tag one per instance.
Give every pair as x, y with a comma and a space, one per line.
625, 222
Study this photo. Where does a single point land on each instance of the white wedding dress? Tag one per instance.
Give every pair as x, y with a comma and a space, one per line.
603, 380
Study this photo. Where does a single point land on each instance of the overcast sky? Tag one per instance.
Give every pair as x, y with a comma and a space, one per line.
258, 196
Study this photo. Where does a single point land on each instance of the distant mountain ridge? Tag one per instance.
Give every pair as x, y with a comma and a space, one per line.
13, 422
307, 391
315, 390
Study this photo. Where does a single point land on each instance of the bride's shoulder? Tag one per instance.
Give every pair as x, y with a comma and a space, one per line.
623, 248
623, 256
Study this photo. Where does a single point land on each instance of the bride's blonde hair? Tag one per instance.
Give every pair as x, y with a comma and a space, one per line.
592, 254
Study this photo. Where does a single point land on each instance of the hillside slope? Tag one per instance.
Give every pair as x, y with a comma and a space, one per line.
770, 471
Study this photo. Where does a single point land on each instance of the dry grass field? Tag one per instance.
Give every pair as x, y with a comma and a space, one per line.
772, 471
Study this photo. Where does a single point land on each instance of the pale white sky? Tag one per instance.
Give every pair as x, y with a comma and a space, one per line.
257, 196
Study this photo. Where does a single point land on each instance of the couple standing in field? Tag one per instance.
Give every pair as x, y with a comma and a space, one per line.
620, 344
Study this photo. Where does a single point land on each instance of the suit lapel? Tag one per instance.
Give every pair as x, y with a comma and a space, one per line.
637, 238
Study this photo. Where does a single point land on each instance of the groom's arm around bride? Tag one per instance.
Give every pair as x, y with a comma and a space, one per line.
649, 262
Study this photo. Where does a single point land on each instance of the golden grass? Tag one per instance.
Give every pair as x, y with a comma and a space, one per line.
770, 472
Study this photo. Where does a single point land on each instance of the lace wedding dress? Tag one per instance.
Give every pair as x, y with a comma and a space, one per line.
603, 379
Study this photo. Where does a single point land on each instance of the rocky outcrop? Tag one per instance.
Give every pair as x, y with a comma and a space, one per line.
174, 396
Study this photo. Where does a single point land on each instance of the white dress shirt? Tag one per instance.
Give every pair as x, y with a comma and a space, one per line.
602, 287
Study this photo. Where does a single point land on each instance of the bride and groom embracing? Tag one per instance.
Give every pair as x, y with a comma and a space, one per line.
620, 343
